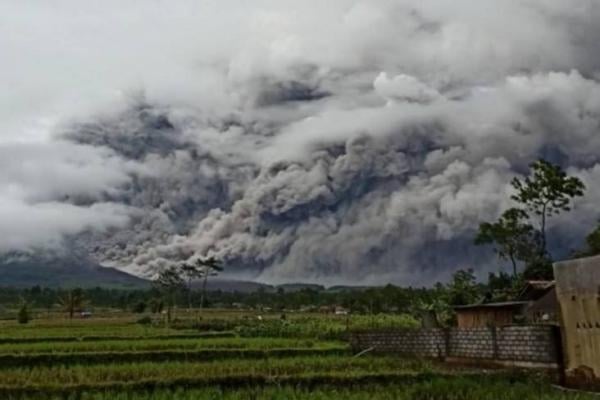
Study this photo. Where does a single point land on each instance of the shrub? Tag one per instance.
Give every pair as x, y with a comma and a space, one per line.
139, 308
23, 316
145, 320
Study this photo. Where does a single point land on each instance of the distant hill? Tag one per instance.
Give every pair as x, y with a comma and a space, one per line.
296, 287
341, 288
232, 285
73, 269
52, 269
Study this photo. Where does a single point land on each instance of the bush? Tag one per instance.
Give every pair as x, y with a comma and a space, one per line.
145, 320
23, 316
139, 308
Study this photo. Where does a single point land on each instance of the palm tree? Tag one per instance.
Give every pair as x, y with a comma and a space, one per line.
72, 301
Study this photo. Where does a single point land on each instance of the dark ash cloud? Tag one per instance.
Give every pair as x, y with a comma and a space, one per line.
360, 143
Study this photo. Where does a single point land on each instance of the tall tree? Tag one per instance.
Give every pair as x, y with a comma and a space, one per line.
72, 301
546, 192
209, 266
169, 282
511, 236
191, 272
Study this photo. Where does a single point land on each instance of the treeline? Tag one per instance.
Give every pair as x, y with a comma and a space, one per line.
370, 300
462, 289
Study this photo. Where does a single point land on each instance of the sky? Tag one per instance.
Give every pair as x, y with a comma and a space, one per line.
342, 141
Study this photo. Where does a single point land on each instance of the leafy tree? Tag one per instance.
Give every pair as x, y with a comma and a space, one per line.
433, 313
511, 236
539, 268
169, 282
503, 287
72, 301
546, 192
499, 282
156, 305
592, 242
210, 267
463, 288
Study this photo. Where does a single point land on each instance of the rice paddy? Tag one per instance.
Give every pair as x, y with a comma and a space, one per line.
119, 359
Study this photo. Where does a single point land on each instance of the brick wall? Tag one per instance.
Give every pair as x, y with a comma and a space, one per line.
510, 344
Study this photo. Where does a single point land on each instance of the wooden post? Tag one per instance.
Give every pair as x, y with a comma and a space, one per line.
494, 332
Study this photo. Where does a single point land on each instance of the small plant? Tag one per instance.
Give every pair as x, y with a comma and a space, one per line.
23, 316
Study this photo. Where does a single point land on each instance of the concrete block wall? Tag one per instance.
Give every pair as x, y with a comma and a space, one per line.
527, 343
429, 343
534, 344
471, 343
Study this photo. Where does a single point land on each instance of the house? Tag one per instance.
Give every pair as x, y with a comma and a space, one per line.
536, 304
325, 309
489, 314
543, 304
339, 310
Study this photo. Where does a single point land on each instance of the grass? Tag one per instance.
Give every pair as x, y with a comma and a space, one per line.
251, 324
166, 343
277, 367
111, 327
437, 388
55, 359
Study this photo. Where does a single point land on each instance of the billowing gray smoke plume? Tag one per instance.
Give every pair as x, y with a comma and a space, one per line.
357, 141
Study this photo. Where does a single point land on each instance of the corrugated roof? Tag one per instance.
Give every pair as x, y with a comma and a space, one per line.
533, 290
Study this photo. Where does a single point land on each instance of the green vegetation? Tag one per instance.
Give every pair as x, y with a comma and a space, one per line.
55, 378
23, 316
72, 301
232, 355
546, 193
511, 235
520, 235
168, 282
61, 329
592, 244
435, 389
166, 343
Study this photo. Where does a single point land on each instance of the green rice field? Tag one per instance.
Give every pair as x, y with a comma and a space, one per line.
120, 359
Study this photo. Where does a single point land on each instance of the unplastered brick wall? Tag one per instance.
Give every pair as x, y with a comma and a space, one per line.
534, 344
